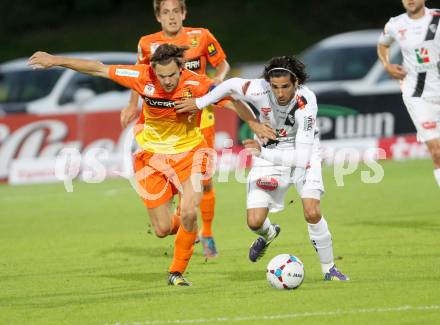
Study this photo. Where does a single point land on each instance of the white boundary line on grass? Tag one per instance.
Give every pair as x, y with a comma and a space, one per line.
337, 312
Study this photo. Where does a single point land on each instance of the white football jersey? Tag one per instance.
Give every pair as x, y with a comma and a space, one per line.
295, 122
419, 40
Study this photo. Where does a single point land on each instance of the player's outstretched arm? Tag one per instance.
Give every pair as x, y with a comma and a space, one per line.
43, 60
226, 88
298, 157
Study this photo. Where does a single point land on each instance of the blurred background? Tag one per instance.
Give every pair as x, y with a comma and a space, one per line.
249, 30
42, 112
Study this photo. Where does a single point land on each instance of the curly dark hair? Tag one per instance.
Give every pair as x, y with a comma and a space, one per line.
158, 3
166, 53
285, 65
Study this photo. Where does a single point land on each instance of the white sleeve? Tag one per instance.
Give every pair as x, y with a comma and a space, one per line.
305, 136
231, 87
387, 36
306, 119
298, 157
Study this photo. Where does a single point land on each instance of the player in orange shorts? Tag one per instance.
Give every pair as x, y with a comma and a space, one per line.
173, 153
203, 48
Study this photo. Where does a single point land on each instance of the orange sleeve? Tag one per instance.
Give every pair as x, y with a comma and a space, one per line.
129, 76
143, 51
214, 51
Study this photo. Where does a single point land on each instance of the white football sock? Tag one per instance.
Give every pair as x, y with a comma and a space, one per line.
322, 241
437, 175
267, 230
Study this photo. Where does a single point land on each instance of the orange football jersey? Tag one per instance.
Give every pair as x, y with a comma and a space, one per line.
203, 48
164, 131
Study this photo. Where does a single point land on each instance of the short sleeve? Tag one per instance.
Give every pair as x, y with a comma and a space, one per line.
306, 119
143, 54
213, 50
387, 36
129, 76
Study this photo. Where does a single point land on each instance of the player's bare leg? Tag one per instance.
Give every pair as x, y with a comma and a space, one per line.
321, 239
161, 219
259, 223
434, 149
207, 207
186, 235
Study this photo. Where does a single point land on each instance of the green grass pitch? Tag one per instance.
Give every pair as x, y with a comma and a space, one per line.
89, 257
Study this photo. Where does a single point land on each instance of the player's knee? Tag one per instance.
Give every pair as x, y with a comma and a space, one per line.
312, 213
254, 224
188, 213
254, 221
435, 153
162, 231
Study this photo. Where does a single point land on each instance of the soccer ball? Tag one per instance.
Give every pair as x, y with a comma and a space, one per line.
285, 271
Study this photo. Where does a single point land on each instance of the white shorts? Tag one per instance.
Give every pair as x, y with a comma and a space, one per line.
267, 186
425, 114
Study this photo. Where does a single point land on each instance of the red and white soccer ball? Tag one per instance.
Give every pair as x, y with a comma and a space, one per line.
285, 271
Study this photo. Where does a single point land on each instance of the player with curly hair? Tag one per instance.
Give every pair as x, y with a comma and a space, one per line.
294, 157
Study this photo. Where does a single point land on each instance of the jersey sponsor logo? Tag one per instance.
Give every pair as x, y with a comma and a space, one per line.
187, 93
196, 31
194, 41
159, 103
153, 47
192, 83
149, 89
262, 93
127, 73
281, 133
193, 64
266, 111
301, 102
309, 122
267, 184
429, 125
212, 50
402, 33
422, 55
245, 87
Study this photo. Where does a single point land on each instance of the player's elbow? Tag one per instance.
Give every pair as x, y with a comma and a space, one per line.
102, 70
302, 162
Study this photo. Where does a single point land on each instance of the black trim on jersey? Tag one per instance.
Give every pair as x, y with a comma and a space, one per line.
290, 120
270, 143
421, 76
430, 35
420, 86
159, 103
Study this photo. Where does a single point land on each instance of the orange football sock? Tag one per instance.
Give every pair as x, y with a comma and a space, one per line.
207, 206
183, 249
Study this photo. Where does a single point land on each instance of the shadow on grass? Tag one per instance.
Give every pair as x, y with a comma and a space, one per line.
139, 251
144, 277
245, 275
419, 224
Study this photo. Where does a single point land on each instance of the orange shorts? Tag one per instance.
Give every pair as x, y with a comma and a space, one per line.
160, 176
209, 135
